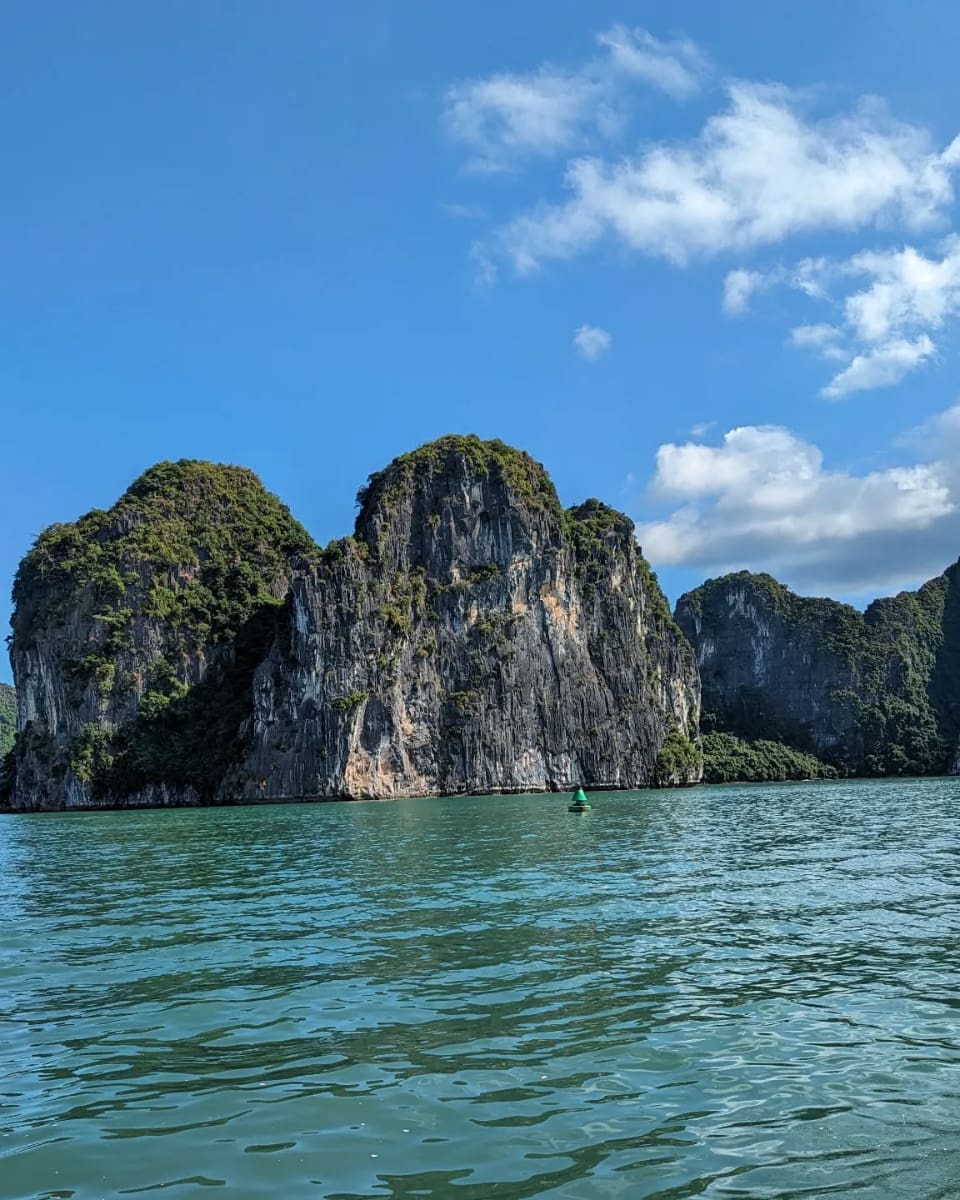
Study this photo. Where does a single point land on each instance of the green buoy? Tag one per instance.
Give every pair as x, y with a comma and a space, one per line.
579, 803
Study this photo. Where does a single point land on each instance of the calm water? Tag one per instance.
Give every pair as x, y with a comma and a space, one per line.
723, 992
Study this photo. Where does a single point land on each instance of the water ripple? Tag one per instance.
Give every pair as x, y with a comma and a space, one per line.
746, 993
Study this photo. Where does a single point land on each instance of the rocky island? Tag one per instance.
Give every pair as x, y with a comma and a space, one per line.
193, 646
873, 693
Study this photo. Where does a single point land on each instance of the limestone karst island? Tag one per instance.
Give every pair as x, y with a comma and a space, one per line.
192, 645
385, 815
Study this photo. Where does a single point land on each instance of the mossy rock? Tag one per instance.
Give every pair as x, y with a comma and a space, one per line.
200, 551
215, 526
523, 476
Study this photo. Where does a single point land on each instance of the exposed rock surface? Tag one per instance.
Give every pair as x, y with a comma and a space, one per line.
129, 623
472, 636
870, 693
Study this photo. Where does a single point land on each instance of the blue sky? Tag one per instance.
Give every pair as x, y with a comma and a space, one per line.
698, 259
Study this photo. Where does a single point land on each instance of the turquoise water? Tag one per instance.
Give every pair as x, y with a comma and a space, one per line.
729, 992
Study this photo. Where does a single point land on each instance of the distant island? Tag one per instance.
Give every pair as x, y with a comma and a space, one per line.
874, 693
8, 719
193, 645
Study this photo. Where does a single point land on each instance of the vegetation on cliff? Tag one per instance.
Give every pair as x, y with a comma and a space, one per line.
138, 630
188, 568
8, 720
907, 729
198, 545
598, 536
525, 478
593, 529
471, 633
678, 763
881, 675
189, 737
729, 759
840, 629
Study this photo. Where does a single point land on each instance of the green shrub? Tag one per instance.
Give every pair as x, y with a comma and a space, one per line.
228, 540
729, 759
465, 704
8, 719
90, 755
678, 762
523, 476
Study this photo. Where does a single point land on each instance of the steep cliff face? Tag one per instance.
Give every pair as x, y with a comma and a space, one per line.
776, 665
868, 692
191, 645
127, 626
471, 637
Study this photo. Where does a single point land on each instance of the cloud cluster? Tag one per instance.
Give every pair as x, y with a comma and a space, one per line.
890, 304
757, 173
508, 117
763, 499
764, 168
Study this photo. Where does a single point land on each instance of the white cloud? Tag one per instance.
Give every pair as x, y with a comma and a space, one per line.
592, 342
507, 117
809, 277
762, 169
820, 337
886, 326
756, 174
908, 291
675, 67
937, 437
510, 116
881, 367
763, 499
750, 456
739, 286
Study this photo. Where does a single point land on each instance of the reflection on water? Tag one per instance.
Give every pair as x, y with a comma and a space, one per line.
722, 992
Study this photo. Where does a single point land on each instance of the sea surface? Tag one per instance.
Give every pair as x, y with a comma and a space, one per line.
721, 992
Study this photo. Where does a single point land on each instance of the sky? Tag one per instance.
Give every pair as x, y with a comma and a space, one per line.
701, 260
